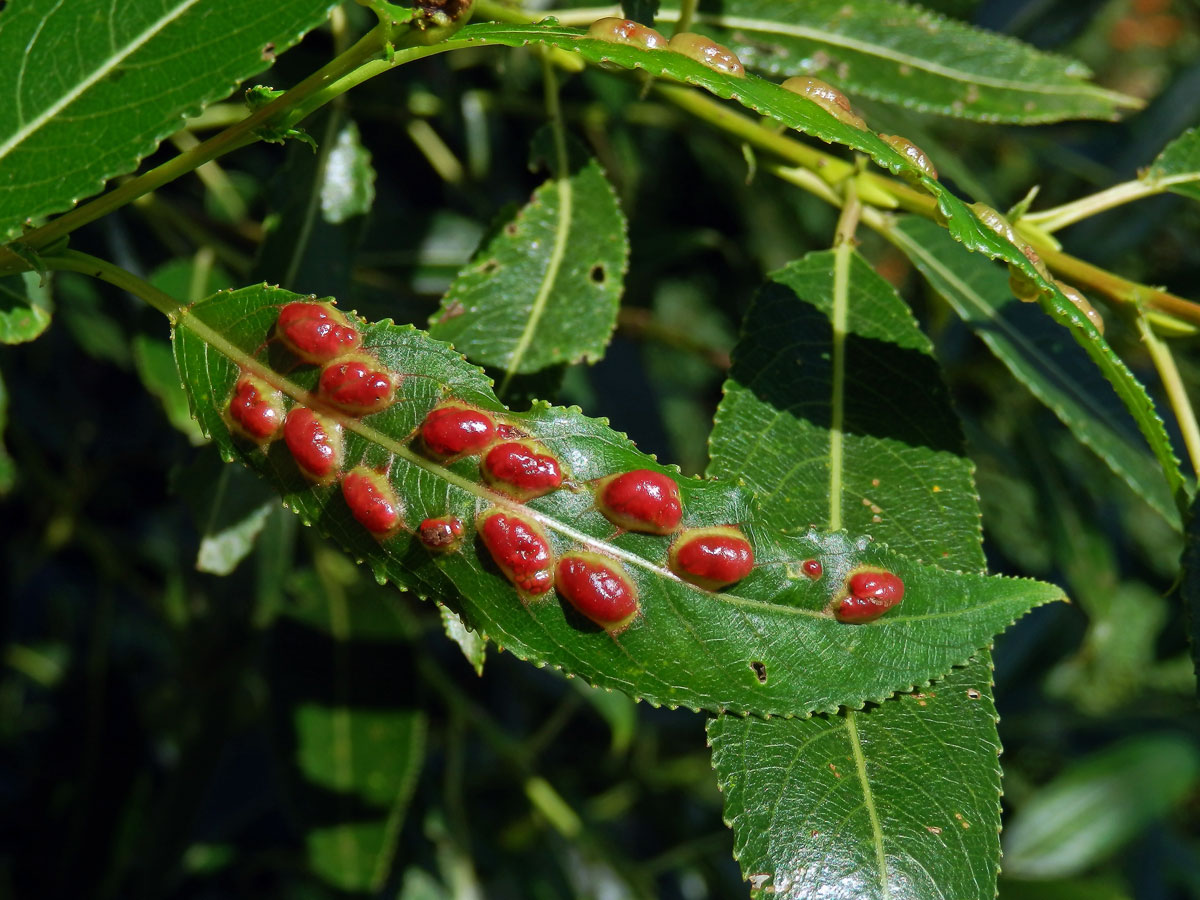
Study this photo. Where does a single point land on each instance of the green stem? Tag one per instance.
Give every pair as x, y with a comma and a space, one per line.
1185, 415
74, 261
278, 111
687, 10
1051, 220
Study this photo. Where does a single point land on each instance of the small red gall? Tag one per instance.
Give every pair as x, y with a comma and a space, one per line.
869, 594
357, 385
256, 409
812, 568
521, 470
454, 429
316, 332
520, 548
626, 31
707, 52
443, 533
641, 500
372, 501
911, 152
315, 442
827, 97
712, 558
1082, 304
598, 588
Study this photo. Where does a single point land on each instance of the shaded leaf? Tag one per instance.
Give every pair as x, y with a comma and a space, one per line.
1040, 355
472, 645
156, 367
543, 290
910, 56
1177, 168
372, 757
230, 507
25, 307
348, 188
146, 67
865, 803
689, 646
1088, 811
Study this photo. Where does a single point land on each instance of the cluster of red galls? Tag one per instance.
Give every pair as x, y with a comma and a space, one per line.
512, 464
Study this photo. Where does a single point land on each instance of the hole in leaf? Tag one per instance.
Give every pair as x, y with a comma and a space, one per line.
598, 274
760, 671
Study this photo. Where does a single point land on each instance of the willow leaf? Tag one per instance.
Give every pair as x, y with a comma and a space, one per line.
25, 307
830, 801
543, 290
767, 646
121, 77
910, 56
793, 111
1055, 369
1177, 168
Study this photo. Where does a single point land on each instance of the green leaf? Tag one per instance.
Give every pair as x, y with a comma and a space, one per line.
156, 367
369, 756
25, 307
348, 188
8, 469
689, 647
313, 236
1087, 812
91, 88
352, 748
830, 801
1042, 357
230, 507
897, 801
1177, 168
909, 56
543, 290
472, 645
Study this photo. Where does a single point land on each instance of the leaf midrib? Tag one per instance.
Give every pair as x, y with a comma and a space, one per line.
104, 67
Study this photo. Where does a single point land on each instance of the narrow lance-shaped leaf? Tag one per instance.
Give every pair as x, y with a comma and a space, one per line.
543, 290
899, 800
909, 56
964, 226
768, 644
1039, 354
1177, 168
124, 76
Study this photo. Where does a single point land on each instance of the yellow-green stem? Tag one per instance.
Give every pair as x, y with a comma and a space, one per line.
1177, 396
74, 261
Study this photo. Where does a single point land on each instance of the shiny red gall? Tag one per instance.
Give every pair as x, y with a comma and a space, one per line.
372, 501
256, 409
519, 548
521, 469
315, 442
442, 533
869, 594
455, 429
641, 500
357, 384
316, 332
598, 588
712, 558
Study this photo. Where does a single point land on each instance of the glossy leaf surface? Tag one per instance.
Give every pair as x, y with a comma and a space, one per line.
544, 289
1040, 355
89, 89
1178, 166
899, 800
791, 110
909, 56
689, 646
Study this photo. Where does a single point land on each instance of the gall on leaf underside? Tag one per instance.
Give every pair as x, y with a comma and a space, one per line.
688, 646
